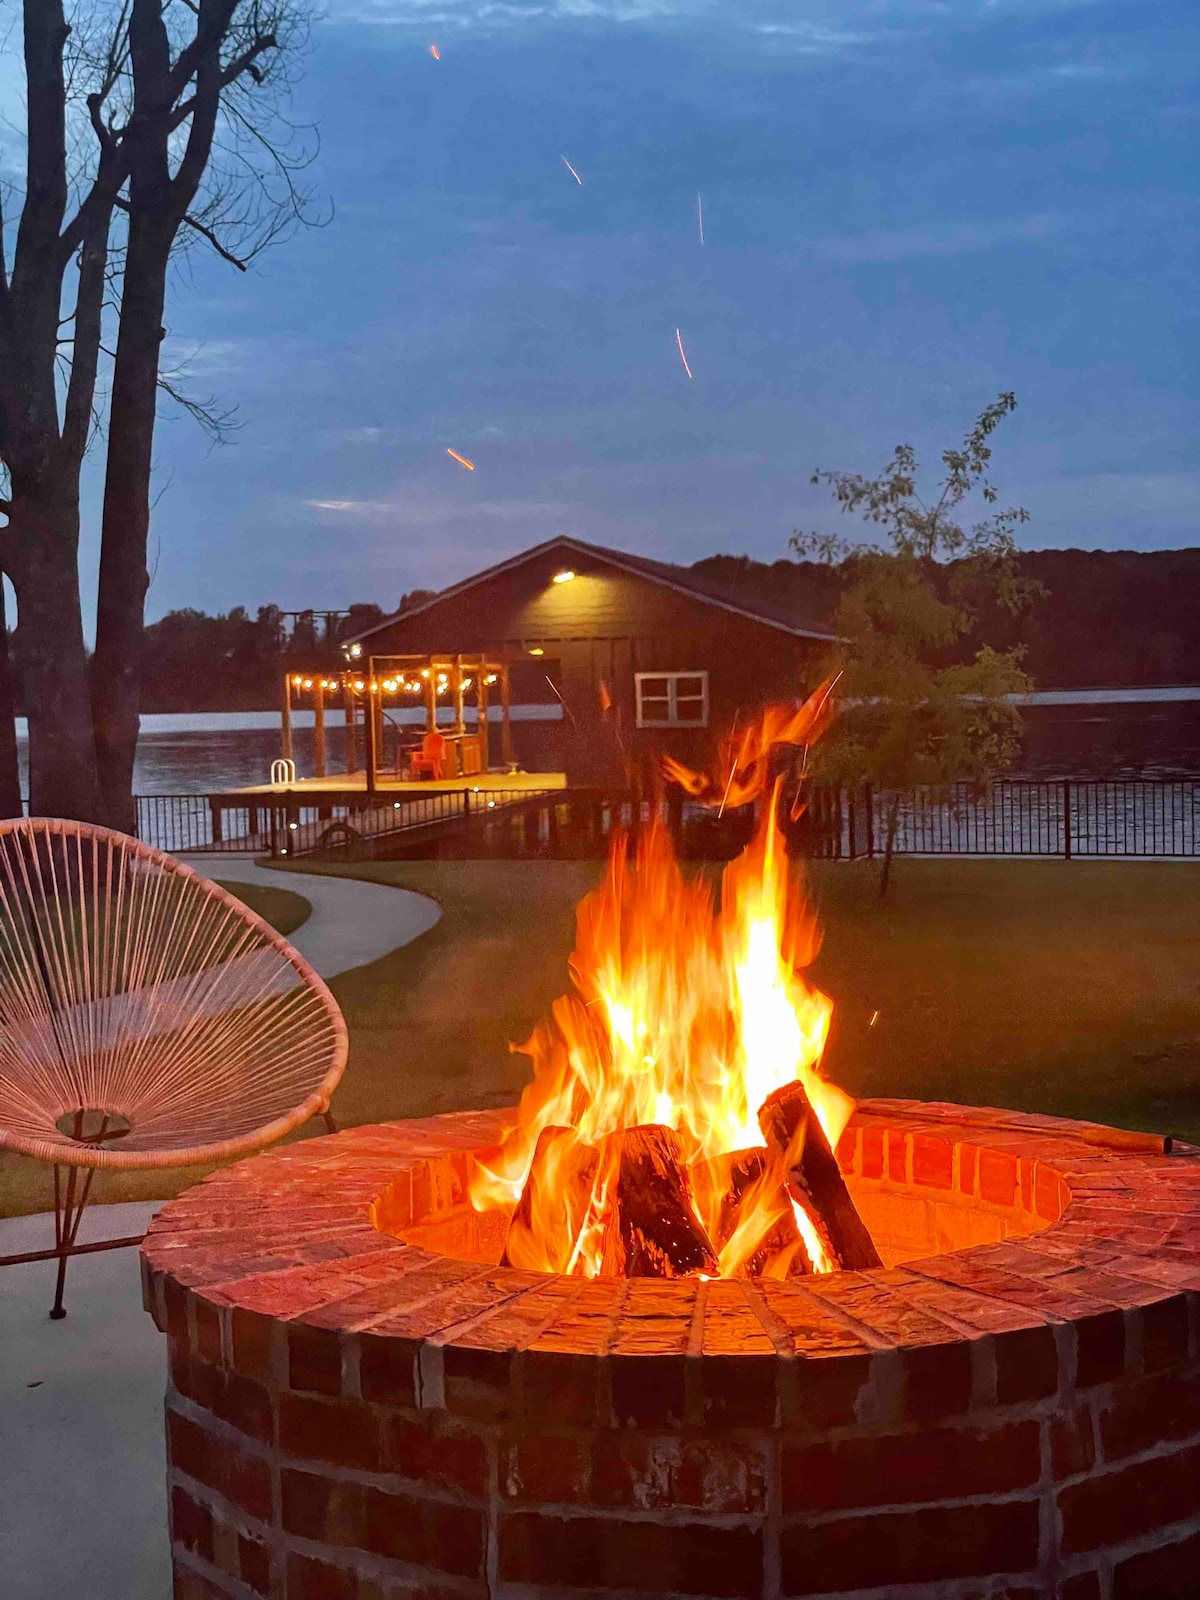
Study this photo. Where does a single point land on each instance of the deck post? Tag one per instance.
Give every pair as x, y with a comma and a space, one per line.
431, 698
456, 685
481, 725
371, 703
506, 744
351, 719
1066, 818
319, 728
285, 712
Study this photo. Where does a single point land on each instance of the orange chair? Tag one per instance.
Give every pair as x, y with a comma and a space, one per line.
426, 762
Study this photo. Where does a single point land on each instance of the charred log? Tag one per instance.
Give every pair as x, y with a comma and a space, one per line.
560, 1181
653, 1230
814, 1178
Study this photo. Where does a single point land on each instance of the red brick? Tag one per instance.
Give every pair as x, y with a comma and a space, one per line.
872, 1152
647, 1391
1101, 1348
896, 1162
244, 1403
314, 1360
1047, 1194
1026, 1365
208, 1332
1083, 1586
432, 1447
478, 1383
191, 1524
738, 1391
1127, 1503
1072, 1446
254, 1563
386, 1369
648, 1472
997, 1178
933, 1464
253, 1343
317, 1580
1158, 1574
560, 1389
343, 1432
219, 1464
933, 1162
545, 1469
1154, 1411
642, 1558
1164, 1333
910, 1547
1025, 1172
825, 1392
431, 1533
323, 1509
938, 1380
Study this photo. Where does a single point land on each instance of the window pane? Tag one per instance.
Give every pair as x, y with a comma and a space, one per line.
654, 686
655, 709
688, 685
689, 710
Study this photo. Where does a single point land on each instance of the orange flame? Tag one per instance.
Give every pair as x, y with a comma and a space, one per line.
462, 460
685, 1011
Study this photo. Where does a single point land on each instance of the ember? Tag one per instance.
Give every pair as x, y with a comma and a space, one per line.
678, 1123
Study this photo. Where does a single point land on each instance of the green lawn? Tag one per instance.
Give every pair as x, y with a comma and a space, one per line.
1056, 986
284, 910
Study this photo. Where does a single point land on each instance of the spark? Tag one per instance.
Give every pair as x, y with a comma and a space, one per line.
682, 357
561, 701
462, 460
700, 216
572, 171
435, 52
874, 1019
733, 768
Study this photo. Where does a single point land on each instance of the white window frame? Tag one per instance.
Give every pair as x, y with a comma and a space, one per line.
672, 719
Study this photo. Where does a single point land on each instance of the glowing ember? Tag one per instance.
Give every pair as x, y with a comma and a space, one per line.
687, 1011
435, 52
462, 460
682, 357
700, 216
572, 171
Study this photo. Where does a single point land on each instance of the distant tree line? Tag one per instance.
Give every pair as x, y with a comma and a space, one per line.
1108, 619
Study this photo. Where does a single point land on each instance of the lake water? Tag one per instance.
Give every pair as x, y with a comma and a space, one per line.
1100, 733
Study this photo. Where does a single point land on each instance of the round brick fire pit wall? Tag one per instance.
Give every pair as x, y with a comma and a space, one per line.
362, 1406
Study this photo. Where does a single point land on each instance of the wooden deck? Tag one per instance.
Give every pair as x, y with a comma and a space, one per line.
355, 783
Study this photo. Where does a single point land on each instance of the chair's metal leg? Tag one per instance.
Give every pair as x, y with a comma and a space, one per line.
68, 1213
330, 1124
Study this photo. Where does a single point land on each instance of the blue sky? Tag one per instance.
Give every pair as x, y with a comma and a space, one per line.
908, 207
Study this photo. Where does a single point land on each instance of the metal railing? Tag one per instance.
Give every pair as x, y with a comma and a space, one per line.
1013, 817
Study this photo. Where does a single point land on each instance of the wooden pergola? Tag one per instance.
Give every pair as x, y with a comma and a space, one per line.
366, 689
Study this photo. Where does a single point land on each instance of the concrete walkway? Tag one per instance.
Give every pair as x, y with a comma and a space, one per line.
352, 923
82, 1463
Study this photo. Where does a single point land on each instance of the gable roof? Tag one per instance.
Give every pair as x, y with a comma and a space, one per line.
680, 579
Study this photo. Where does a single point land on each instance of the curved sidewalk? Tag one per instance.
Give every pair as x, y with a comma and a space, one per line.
81, 1400
352, 923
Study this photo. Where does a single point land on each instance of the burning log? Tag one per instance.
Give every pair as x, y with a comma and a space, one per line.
652, 1230
814, 1178
753, 1195
559, 1185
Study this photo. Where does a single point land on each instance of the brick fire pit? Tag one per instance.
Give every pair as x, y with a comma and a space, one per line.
361, 1407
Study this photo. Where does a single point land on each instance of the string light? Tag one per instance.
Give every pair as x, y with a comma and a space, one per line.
354, 651
491, 678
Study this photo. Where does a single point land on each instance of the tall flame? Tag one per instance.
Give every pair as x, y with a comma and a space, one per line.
686, 1010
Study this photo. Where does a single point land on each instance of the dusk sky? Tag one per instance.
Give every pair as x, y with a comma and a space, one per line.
908, 207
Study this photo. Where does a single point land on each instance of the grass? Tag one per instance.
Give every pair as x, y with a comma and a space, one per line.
282, 908
1070, 987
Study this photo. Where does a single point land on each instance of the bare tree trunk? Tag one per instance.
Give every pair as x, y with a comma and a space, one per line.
889, 848
52, 659
121, 598
10, 771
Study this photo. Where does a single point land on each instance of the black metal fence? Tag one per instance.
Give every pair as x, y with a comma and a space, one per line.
1062, 817
1065, 818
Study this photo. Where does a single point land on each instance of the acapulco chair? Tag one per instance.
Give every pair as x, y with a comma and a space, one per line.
147, 1018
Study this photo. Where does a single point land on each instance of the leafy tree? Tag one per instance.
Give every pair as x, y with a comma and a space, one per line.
911, 717
148, 123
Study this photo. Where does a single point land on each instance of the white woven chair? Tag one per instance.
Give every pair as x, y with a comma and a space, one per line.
147, 1018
